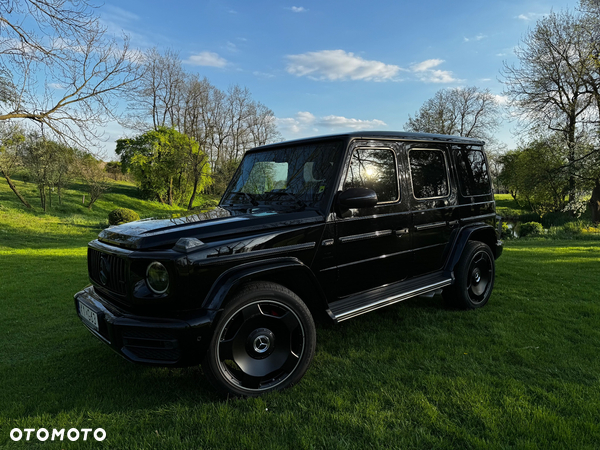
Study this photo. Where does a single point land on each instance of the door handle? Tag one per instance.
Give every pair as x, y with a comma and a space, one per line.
400, 233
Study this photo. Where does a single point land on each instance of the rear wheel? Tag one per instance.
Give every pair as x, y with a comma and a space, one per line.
264, 341
474, 277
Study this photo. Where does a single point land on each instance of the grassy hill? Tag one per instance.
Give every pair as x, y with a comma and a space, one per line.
72, 223
520, 373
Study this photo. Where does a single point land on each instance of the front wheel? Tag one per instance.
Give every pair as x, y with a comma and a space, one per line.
264, 341
474, 277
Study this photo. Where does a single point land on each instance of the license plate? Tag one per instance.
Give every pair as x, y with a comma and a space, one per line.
89, 316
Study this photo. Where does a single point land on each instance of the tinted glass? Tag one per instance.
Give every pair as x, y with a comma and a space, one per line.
429, 174
285, 174
472, 172
374, 169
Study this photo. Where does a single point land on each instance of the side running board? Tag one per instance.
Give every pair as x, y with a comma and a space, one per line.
355, 305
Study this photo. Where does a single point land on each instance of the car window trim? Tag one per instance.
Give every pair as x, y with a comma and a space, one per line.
398, 193
447, 174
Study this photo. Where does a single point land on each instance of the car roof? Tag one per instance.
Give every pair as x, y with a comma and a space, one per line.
381, 135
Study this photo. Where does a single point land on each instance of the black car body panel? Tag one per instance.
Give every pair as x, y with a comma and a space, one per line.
341, 262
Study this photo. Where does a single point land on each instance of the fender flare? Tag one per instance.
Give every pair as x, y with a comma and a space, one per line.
482, 232
236, 276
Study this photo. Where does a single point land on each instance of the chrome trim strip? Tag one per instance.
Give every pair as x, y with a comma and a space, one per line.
393, 299
358, 237
266, 251
390, 255
430, 225
431, 246
474, 218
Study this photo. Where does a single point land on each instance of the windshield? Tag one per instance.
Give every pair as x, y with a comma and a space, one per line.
300, 174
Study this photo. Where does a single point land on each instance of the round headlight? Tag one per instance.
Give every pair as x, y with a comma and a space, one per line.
157, 278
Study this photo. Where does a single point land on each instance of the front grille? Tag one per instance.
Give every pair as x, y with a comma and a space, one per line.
108, 270
151, 344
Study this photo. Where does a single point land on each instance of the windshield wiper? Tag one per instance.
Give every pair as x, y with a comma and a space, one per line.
294, 197
249, 197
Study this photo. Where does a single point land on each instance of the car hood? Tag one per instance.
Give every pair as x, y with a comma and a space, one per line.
213, 225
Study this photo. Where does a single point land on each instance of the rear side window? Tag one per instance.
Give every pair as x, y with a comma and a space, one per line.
472, 172
374, 169
429, 173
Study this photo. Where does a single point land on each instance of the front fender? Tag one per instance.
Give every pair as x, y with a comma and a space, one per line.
271, 269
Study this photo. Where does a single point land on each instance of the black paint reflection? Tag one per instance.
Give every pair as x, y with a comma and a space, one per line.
429, 174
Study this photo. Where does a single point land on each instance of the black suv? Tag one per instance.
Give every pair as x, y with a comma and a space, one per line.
333, 226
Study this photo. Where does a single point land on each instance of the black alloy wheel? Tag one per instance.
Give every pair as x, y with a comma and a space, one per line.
264, 341
474, 277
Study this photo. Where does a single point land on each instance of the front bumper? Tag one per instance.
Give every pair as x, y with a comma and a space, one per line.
162, 341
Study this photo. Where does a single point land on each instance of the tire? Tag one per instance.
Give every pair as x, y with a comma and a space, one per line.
474, 278
264, 341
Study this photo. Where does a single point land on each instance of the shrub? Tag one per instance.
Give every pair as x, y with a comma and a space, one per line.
506, 231
531, 229
573, 227
122, 215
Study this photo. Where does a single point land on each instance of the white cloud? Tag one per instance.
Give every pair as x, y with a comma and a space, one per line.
339, 65
57, 86
501, 99
230, 46
426, 65
340, 122
256, 73
529, 16
298, 9
119, 14
479, 37
210, 59
438, 76
305, 121
425, 72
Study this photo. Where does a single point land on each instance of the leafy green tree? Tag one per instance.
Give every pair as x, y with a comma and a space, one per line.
11, 138
165, 163
92, 173
534, 175
50, 164
555, 91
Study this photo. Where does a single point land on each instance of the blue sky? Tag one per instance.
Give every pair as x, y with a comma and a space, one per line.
326, 67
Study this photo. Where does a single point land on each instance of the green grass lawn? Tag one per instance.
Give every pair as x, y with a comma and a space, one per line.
521, 373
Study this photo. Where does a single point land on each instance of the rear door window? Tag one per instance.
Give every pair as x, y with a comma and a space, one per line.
429, 173
472, 172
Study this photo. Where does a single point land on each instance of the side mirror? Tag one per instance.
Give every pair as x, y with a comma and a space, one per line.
357, 198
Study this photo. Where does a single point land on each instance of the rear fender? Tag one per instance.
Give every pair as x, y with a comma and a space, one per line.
481, 233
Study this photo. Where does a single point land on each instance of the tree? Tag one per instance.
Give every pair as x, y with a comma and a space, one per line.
224, 124
468, 112
533, 174
555, 88
11, 138
50, 164
82, 69
92, 172
163, 162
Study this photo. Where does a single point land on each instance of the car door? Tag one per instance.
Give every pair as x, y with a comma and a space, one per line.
373, 244
432, 202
